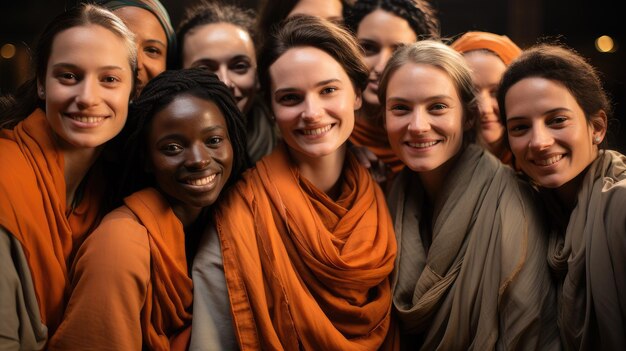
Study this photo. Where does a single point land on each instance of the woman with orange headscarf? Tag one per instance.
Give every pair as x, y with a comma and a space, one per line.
306, 238
488, 55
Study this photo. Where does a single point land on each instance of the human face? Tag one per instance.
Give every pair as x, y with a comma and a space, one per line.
228, 51
190, 153
87, 86
487, 70
151, 42
328, 9
313, 101
424, 118
380, 33
548, 132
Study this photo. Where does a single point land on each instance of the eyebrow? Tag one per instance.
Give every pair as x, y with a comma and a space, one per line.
436, 97
554, 110
73, 66
155, 41
182, 136
318, 84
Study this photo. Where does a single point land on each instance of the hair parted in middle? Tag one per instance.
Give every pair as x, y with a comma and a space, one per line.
439, 55
303, 30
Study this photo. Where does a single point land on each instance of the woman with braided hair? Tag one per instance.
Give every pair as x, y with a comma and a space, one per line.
131, 286
381, 27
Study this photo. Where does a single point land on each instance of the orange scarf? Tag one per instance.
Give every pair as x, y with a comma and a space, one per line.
304, 271
375, 138
167, 309
500, 45
33, 209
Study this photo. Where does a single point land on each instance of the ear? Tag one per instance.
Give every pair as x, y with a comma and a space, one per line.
358, 100
599, 124
41, 90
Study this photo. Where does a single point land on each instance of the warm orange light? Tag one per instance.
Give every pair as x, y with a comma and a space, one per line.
7, 51
605, 44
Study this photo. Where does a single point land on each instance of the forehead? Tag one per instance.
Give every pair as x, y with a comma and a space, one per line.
328, 9
385, 26
187, 114
417, 81
536, 95
219, 39
90, 45
142, 22
305, 64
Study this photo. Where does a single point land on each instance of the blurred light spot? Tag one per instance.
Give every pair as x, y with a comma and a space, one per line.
605, 44
7, 51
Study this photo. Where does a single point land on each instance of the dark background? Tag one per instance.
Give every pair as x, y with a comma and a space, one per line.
576, 23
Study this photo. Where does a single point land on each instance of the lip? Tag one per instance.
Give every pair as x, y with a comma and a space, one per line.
85, 120
422, 145
373, 85
316, 132
548, 161
200, 183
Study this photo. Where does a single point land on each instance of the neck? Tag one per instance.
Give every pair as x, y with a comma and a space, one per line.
187, 215
324, 172
77, 161
434, 180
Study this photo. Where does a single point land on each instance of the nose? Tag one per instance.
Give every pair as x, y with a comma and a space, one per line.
222, 74
312, 109
419, 122
198, 157
383, 58
540, 138
87, 95
485, 104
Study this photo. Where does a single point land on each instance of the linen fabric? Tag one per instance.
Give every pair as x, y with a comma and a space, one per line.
130, 284
483, 282
305, 271
588, 258
33, 210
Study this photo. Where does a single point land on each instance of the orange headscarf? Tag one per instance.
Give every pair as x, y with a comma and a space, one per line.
33, 209
304, 271
501, 45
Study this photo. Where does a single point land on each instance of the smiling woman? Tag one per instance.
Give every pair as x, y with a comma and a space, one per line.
187, 128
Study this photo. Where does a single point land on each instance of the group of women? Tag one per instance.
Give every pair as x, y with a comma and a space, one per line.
305, 184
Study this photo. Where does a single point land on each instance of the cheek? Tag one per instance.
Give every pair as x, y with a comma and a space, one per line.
370, 61
246, 83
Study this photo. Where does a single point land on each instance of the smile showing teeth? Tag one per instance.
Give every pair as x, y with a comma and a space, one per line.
549, 161
317, 131
87, 119
423, 145
201, 181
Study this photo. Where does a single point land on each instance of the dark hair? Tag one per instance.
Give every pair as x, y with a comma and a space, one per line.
272, 12
158, 93
437, 54
214, 12
301, 30
563, 65
418, 13
26, 99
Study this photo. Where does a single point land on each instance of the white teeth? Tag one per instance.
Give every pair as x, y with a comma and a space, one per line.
428, 144
201, 181
317, 131
549, 161
87, 119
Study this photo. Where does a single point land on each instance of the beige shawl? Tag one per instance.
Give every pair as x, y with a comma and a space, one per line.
483, 283
589, 260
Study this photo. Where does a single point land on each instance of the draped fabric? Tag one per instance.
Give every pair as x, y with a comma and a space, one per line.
478, 280
367, 133
589, 259
130, 282
305, 271
33, 209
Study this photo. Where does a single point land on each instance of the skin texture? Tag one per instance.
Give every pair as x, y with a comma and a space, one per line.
549, 135
424, 120
487, 70
228, 51
190, 154
380, 33
87, 86
329, 9
151, 42
313, 101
